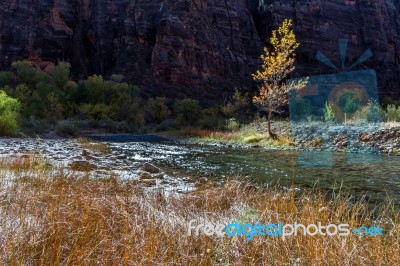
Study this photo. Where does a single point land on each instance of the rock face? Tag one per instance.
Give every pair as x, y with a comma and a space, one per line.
195, 48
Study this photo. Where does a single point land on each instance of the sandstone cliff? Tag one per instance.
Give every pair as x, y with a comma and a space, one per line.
197, 48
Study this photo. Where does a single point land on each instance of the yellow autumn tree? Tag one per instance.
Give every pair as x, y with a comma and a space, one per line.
277, 63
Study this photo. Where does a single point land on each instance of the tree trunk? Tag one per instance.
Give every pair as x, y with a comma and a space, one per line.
271, 134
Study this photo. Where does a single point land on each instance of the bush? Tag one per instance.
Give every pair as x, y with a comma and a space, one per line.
300, 109
211, 118
392, 113
9, 108
187, 111
237, 107
156, 110
232, 124
66, 128
6, 79
370, 113
329, 114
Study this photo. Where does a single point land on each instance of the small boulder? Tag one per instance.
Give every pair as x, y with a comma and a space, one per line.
145, 176
149, 182
147, 167
83, 166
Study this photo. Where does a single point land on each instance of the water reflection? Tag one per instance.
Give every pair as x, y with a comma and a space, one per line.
266, 166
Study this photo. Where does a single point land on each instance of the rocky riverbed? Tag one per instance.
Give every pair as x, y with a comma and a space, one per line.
72, 156
363, 137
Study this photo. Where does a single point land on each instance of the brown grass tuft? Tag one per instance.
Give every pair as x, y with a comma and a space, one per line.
100, 147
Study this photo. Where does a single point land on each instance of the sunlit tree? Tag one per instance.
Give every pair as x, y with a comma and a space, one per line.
277, 63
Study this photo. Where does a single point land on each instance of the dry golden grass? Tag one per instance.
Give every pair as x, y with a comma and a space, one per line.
207, 134
94, 146
242, 136
25, 162
59, 219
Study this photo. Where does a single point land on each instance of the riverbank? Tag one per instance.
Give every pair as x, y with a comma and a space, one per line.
55, 215
368, 137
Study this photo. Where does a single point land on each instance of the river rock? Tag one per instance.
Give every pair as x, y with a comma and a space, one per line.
83, 166
148, 182
145, 176
147, 167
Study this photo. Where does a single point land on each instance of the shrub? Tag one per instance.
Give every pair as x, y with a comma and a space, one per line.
9, 108
6, 79
60, 74
27, 74
329, 114
392, 113
237, 106
66, 128
370, 113
300, 109
211, 118
117, 78
156, 110
232, 124
187, 111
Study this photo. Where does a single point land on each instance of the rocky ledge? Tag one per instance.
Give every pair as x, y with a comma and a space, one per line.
354, 138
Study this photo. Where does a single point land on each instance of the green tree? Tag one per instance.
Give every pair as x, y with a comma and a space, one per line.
60, 74
237, 106
348, 103
156, 110
9, 108
187, 111
329, 114
27, 74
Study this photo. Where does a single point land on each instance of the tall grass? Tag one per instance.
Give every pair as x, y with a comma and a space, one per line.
243, 136
94, 146
55, 218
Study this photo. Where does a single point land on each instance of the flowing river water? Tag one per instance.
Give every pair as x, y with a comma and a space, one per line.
184, 158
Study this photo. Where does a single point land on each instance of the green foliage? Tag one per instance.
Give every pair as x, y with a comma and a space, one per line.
232, 124
117, 78
237, 106
156, 110
61, 74
329, 114
370, 113
187, 111
392, 113
348, 103
211, 118
300, 109
9, 108
27, 74
47, 97
6, 79
66, 128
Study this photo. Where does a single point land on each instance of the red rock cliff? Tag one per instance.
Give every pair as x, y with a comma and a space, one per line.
196, 48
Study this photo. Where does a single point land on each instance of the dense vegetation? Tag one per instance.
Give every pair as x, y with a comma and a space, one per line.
36, 101
51, 100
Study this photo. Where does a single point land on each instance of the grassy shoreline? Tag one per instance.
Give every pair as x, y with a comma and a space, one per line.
49, 216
